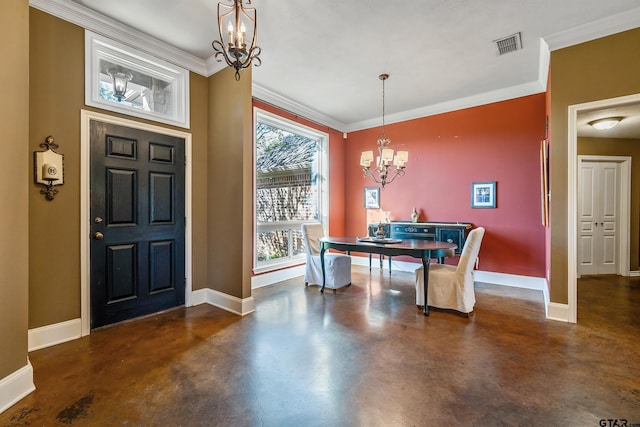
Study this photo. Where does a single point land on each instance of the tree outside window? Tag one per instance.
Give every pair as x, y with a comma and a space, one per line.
287, 188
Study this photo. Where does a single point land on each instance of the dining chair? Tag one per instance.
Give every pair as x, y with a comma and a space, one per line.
451, 286
337, 266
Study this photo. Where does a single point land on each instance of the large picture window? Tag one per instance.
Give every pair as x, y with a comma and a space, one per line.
290, 188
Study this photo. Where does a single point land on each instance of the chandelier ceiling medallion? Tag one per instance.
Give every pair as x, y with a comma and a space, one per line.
240, 26
387, 166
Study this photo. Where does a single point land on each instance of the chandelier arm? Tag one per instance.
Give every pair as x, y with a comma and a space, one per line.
396, 173
368, 173
254, 53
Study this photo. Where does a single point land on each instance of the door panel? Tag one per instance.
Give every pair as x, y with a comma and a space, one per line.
138, 224
121, 197
121, 272
598, 216
161, 198
161, 263
586, 220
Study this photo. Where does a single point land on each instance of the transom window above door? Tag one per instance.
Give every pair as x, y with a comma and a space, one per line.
122, 79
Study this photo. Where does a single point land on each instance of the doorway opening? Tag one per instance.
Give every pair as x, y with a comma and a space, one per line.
86, 117
604, 194
572, 195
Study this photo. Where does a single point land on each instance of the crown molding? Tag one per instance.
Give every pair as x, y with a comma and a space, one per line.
593, 30
512, 92
214, 66
530, 88
90, 20
543, 64
280, 101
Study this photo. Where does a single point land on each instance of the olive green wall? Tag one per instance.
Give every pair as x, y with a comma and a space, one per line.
622, 147
56, 72
230, 154
600, 69
14, 175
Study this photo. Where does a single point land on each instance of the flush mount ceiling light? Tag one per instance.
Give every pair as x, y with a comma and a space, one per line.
387, 166
606, 123
240, 25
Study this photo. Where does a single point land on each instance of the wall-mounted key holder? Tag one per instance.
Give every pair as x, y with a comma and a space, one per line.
49, 168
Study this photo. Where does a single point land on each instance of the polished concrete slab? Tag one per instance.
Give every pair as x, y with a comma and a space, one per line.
364, 356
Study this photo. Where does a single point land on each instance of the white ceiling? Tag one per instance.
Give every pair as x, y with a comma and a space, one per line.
323, 57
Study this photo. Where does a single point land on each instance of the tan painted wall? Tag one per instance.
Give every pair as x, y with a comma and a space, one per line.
199, 94
57, 97
622, 147
230, 183
14, 175
600, 69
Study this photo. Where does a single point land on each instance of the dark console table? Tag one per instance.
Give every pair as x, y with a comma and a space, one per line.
450, 232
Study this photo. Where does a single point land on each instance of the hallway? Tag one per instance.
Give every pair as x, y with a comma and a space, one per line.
364, 356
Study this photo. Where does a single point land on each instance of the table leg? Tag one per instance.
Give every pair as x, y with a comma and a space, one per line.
425, 271
322, 249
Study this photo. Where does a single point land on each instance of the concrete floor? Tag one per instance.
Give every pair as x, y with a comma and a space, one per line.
364, 356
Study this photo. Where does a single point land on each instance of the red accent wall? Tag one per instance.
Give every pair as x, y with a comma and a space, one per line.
447, 152
336, 164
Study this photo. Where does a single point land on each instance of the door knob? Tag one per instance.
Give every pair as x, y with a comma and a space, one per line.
98, 235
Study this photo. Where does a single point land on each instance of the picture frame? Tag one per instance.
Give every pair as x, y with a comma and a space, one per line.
372, 198
483, 194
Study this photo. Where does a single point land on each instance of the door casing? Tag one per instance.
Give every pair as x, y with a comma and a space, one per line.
85, 201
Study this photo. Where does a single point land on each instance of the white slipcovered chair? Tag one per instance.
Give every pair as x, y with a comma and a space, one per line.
450, 286
337, 267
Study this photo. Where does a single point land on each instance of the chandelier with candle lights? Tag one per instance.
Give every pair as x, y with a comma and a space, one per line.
241, 27
387, 166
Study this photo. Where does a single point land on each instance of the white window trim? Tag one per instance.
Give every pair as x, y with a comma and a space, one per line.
323, 183
98, 47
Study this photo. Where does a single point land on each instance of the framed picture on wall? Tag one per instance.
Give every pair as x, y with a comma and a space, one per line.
483, 194
372, 198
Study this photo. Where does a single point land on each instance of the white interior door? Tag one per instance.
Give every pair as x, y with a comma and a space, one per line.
598, 202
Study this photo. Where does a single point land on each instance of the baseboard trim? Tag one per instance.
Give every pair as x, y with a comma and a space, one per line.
226, 302
16, 386
272, 277
634, 273
56, 333
513, 280
557, 311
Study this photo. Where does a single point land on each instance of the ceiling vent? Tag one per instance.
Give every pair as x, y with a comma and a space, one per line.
508, 44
